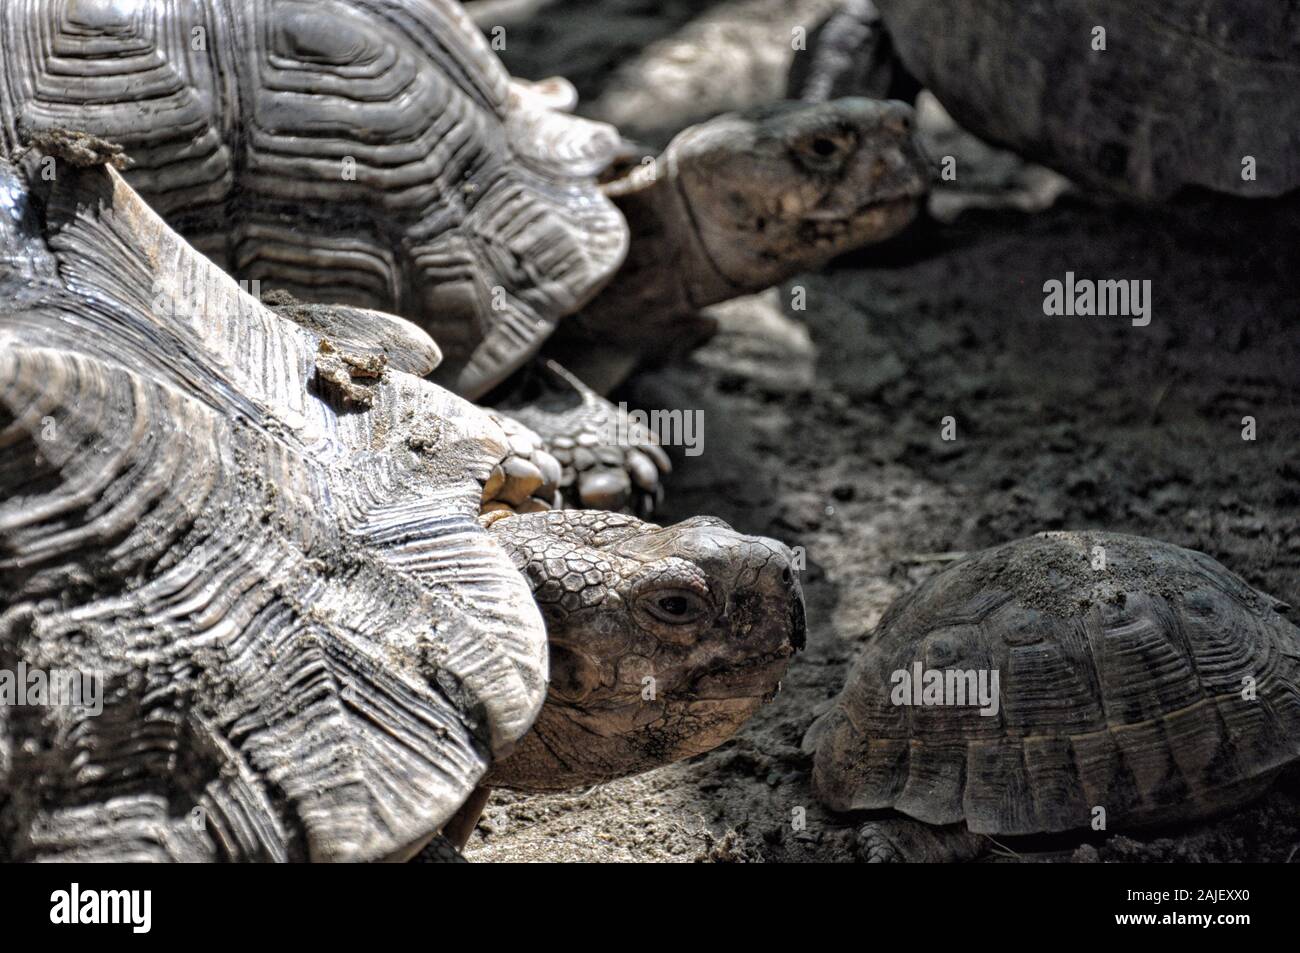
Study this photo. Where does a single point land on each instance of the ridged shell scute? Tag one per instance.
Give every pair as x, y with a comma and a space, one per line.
1183, 92
309, 648
372, 152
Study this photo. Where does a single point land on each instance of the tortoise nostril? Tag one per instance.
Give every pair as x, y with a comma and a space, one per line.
785, 575
898, 119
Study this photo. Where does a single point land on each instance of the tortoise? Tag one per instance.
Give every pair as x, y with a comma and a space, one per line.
738, 204
267, 549
1140, 99
377, 154
1137, 683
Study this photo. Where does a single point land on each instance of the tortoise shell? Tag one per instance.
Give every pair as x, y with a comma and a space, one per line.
1182, 94
372, 153
1133, 676
305, 644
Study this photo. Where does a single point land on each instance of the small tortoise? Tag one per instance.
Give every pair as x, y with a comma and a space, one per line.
1137, 97
376, 153
265, 547
1061, 682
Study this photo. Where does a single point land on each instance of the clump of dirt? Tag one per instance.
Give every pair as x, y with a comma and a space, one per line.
337, 371
79, 149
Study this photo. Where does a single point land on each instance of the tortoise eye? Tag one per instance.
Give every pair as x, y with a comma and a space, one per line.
823, 146
824, 152
674, 606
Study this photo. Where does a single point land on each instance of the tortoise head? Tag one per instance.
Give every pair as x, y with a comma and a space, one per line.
783, 188
663, 640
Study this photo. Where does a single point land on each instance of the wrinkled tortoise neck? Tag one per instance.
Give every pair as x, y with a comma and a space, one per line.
649, 311
665, 233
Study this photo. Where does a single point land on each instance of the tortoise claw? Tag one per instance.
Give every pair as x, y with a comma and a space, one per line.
604, 460
527, 480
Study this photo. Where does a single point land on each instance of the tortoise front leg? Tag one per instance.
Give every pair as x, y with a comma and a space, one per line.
608, 461
457, 831
439, 850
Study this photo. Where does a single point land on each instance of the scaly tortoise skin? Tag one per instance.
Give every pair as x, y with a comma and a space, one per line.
313, 644
1159, 688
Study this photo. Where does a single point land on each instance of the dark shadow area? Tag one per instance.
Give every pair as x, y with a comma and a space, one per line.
559, 41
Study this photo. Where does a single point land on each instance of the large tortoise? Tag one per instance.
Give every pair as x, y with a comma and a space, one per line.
376, 153
1138, 683
1137, 97
267, 552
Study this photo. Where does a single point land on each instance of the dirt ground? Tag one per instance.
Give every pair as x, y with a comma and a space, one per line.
822, 428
